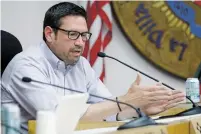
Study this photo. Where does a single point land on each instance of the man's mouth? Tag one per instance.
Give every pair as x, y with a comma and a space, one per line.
77, 52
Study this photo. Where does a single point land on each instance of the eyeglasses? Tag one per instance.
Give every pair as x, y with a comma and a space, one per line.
74, 35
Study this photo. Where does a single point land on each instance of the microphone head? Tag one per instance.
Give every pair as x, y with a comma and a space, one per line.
26, 79
101, 54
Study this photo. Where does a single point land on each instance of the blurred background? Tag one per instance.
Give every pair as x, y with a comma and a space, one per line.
25, 20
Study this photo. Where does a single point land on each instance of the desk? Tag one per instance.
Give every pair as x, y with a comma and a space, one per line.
182, 126
175, 128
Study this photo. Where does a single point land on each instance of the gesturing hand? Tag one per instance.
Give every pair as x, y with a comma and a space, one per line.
142, 96
155, 108
154, 99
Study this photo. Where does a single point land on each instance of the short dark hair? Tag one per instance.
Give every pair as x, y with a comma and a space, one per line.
55, 13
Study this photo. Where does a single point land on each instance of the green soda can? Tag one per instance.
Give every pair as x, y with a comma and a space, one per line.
10, 119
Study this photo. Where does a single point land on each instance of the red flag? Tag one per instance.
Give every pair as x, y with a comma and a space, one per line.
197, 2
100, 24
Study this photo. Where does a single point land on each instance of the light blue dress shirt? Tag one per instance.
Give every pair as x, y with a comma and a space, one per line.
39, 63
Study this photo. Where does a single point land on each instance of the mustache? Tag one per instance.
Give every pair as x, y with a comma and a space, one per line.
77, 48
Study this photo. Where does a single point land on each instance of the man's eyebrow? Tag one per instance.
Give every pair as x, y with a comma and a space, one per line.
78, 31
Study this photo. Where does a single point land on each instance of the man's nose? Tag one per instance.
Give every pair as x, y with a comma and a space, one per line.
79, 41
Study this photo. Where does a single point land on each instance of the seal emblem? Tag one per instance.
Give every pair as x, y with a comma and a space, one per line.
168, 33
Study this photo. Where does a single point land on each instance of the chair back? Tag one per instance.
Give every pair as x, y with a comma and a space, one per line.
10, 46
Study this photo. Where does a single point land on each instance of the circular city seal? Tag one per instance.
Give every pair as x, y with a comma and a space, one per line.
168, 33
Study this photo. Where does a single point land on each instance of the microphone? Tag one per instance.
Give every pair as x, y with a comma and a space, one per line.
101, 54
195, 110
143, 119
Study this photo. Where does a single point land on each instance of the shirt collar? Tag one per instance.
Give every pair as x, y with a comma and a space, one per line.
55, 62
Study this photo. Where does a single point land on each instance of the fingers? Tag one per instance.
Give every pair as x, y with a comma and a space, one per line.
154, 94
159, 83
177, 98
160, 98
158, 93
137, 80
174, 102
161, 92
178, 93
135, 83
154, 88
166, 95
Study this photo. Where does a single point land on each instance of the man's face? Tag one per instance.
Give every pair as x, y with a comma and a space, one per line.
66, 49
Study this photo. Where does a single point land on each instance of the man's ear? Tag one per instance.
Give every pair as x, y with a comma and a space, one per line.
49, 33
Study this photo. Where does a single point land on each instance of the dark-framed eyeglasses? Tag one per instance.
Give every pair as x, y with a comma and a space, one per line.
74, 35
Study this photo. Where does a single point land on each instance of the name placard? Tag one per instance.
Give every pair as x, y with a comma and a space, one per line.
195, 125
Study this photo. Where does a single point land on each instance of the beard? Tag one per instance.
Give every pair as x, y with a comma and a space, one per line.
69, 57
72, 56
